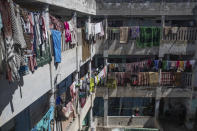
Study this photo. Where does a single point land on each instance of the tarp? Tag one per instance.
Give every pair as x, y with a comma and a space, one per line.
44, 123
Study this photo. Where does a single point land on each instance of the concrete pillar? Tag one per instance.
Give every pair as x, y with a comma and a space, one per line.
96, 62
162, 24
52, 81
105, 111
90, 70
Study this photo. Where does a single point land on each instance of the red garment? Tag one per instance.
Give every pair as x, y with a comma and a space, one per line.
83, 102
32, 59
177, 64
188, 65
56, 24
67, 32
6, 15
73, 92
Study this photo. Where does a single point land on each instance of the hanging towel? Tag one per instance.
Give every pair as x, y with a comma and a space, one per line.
124, 34
168, 65
192, 62
173, 65
164, 65
177, 64
56, 35
167, 30
149, 36
174, 30
156, 64
135, 32
153, 78
98, 28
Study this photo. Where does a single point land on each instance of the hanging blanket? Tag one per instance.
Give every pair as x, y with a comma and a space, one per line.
124, 34
149, 36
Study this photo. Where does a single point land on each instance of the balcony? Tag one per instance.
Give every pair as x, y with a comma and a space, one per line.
124, 121
147, 85
62, 6
145, 8
182, 42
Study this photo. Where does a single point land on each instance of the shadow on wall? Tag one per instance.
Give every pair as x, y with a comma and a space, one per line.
115, 48
7, 90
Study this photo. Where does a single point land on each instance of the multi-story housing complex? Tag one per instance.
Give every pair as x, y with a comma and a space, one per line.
137, 72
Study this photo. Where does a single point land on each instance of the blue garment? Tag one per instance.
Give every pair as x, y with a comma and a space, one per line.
1, 24
44, 123
58, 100
168, 65
156, 64
56, 35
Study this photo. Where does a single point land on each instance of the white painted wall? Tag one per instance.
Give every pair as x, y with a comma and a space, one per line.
14, 99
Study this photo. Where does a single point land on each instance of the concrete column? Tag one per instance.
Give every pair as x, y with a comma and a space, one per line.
162, 24
90, 70
52, 81
105, 111
96, 62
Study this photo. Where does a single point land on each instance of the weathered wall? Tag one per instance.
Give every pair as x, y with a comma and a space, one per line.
84, 6
113, 47
118, 122
143, 92
14, 98
145, 8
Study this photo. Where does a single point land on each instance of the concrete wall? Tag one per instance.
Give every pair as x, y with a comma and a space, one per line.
143, 92
82, 114
146, 8
84, 6
15, 98
113, 47
121, 121
177, 48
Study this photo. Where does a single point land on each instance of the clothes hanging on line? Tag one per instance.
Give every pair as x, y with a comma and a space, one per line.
124, 34
56, 35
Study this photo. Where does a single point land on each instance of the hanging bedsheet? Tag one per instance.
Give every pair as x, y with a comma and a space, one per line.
149, 37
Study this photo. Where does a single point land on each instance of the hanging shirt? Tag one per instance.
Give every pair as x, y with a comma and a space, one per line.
73, 31
156, 64
192, 62
97, 28
56, 35
67, 33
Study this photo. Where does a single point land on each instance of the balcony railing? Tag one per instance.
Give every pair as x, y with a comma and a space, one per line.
171, 79
178, 79
180, 33
169, 34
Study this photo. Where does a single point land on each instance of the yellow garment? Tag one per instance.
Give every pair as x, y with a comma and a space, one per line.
97, 80
91, 84
111, 66
111, 83
181, 65
153, 78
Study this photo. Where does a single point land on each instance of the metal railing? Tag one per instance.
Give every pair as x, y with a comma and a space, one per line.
182, 34
171, 79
